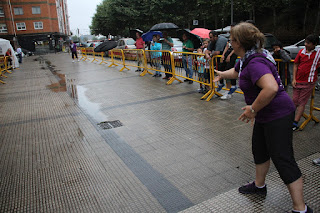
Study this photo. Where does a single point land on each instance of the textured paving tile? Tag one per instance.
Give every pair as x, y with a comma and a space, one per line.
172, 152
277, 199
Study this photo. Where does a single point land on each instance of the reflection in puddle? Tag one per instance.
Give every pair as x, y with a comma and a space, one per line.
61, 85
78, 94
72, 88
93, 109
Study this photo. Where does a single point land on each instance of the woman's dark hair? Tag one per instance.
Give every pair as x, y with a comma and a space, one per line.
277, 43
214, 33
313, 38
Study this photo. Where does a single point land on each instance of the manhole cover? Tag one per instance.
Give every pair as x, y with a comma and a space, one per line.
110, 124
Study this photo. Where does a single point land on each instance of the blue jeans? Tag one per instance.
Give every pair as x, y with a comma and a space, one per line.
187, 65
157, 65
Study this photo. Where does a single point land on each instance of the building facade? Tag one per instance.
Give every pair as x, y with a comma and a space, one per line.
35, 24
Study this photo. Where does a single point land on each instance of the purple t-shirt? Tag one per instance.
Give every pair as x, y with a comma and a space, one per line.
280, 106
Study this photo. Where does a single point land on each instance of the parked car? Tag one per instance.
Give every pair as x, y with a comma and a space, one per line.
295, 48
177, 45
270, 39
126, 43
95, 44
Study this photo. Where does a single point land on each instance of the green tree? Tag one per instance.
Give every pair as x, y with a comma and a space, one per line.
75, 38
117, 17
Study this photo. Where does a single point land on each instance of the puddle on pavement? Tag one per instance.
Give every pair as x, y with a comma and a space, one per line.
93, 109
76, 92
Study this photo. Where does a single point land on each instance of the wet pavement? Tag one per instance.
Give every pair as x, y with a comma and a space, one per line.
83, 137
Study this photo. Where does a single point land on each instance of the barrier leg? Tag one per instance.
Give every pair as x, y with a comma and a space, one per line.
145, 71
310, 117
173, 68
102, 59
94, 57
112, 59
124, 62
1, 75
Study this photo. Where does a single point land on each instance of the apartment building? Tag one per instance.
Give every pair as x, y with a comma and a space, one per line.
42, 24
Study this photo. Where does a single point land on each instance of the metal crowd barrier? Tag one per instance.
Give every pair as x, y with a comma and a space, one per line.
5, 67
118, 58
172, 63
136, 58
84, 55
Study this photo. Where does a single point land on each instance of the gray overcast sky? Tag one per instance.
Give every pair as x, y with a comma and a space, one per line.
81, 13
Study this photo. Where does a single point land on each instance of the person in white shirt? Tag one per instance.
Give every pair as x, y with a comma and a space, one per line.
19, 51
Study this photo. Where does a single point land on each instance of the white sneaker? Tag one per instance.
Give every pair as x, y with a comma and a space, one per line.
316, 161
72, 61
78, 59
226, 96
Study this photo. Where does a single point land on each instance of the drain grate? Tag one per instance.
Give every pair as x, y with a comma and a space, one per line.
110, 124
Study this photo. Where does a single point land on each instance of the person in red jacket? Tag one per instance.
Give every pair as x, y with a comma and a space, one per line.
305, 76
140, 44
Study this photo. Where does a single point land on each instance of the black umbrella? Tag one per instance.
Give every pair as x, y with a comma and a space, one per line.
105, 46
164, 26
196, 40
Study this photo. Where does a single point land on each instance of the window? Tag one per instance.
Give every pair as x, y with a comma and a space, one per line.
3, 28
18, 10
21, 26
36, 10
1, 12
38, 25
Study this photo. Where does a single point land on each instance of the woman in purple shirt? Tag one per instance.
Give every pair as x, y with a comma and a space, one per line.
270, 109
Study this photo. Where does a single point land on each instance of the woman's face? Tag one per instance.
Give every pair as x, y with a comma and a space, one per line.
236, 46
154, 38
184, 37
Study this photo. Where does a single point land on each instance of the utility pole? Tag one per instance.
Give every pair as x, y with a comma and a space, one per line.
15, 40
231, 11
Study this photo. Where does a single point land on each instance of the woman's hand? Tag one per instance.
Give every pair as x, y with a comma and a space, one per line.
228, 58
218, 77
293, 83
221, 59
247, 115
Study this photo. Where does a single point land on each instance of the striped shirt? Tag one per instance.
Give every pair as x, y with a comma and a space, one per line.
308, 65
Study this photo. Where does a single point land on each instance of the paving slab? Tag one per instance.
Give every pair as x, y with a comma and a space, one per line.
172, 152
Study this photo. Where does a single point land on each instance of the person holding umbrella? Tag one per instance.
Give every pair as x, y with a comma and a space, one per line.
187, 46
167, 43
156, 55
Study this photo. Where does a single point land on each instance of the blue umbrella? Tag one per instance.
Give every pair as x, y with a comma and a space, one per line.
148, 35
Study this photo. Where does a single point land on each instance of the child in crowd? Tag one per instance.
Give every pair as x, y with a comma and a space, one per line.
201, 61
156, 56
206, 66
280, 53
227, 61
305, 75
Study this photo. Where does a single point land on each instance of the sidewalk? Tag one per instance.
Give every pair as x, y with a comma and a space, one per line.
163, 150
